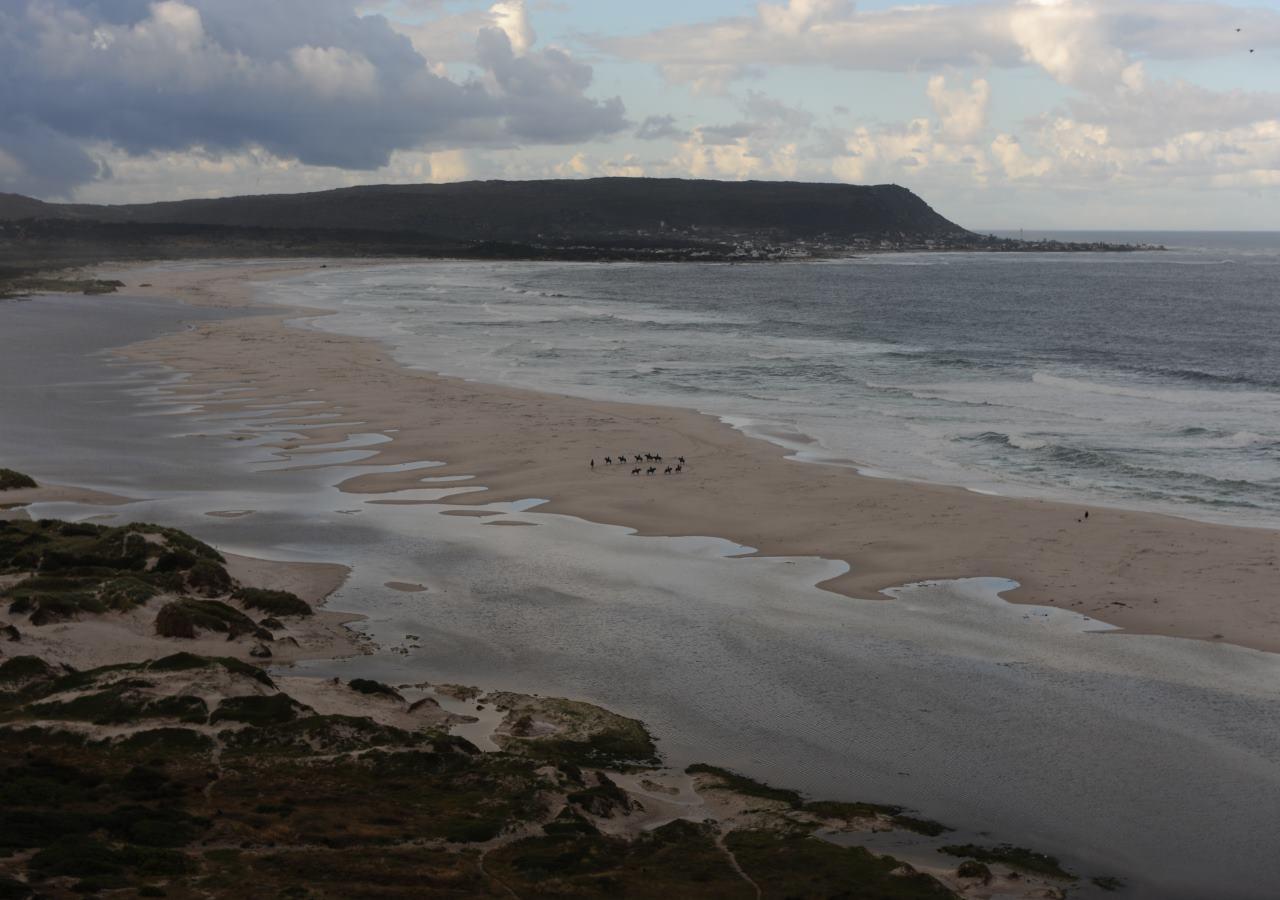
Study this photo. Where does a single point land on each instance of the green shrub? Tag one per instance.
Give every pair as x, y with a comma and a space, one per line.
168, 742
838, 809
274, 603
121, 703
76, 855
168, 582
744, 785
276, 709
175, 538
11, 480
209, 578
240, 667
473, 829
180, 662
13, 889
183, 618
153, 827
53, 598
1016, 857
368, 686
926, 827
569, 822
18, 671
126, 592
174, 561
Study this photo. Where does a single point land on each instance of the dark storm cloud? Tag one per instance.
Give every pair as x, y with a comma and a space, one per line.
306, 79
40, 160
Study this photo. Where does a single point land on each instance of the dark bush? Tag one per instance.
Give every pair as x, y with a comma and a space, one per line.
169, 582
183, 618
276, 709
76, 855
158, 827
175, 561
19, 671
175, 538
12, 889
274, 603
1017, 857
209, 578
973, 869
168, 741
11, 480
126, 592
368, 686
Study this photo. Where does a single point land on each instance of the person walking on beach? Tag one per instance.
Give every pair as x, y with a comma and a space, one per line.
593, 463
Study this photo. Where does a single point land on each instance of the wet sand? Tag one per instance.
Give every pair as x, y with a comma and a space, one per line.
1144, 572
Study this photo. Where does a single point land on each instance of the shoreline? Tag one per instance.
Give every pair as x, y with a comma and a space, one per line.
1144, 572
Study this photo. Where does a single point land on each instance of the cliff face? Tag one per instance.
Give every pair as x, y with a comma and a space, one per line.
569, 211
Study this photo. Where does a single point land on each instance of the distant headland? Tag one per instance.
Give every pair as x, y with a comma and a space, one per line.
665, 219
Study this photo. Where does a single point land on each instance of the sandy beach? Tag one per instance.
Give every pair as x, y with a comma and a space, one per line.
1144, 572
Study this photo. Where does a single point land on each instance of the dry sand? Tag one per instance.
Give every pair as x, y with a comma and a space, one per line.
1144, 572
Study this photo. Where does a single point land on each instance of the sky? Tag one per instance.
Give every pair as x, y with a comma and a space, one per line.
1041, 114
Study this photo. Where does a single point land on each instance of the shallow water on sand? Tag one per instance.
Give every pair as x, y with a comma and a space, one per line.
1147, 757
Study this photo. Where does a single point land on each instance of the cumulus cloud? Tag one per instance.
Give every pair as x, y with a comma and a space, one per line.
655, 128
796, 16
1069, 39
308, 80
963, 112
1113, 121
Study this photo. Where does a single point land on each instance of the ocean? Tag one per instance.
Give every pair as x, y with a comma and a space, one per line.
1147, 380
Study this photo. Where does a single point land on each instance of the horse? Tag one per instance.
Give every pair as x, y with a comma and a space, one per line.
668, 471
651, 470
635, 471
608, 460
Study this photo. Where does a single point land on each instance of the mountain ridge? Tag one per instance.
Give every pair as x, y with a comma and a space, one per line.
557, 210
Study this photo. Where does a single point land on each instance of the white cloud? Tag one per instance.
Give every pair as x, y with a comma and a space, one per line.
1015, 161
798, 15
963, 113
1076, 41
335, 72
512, 18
